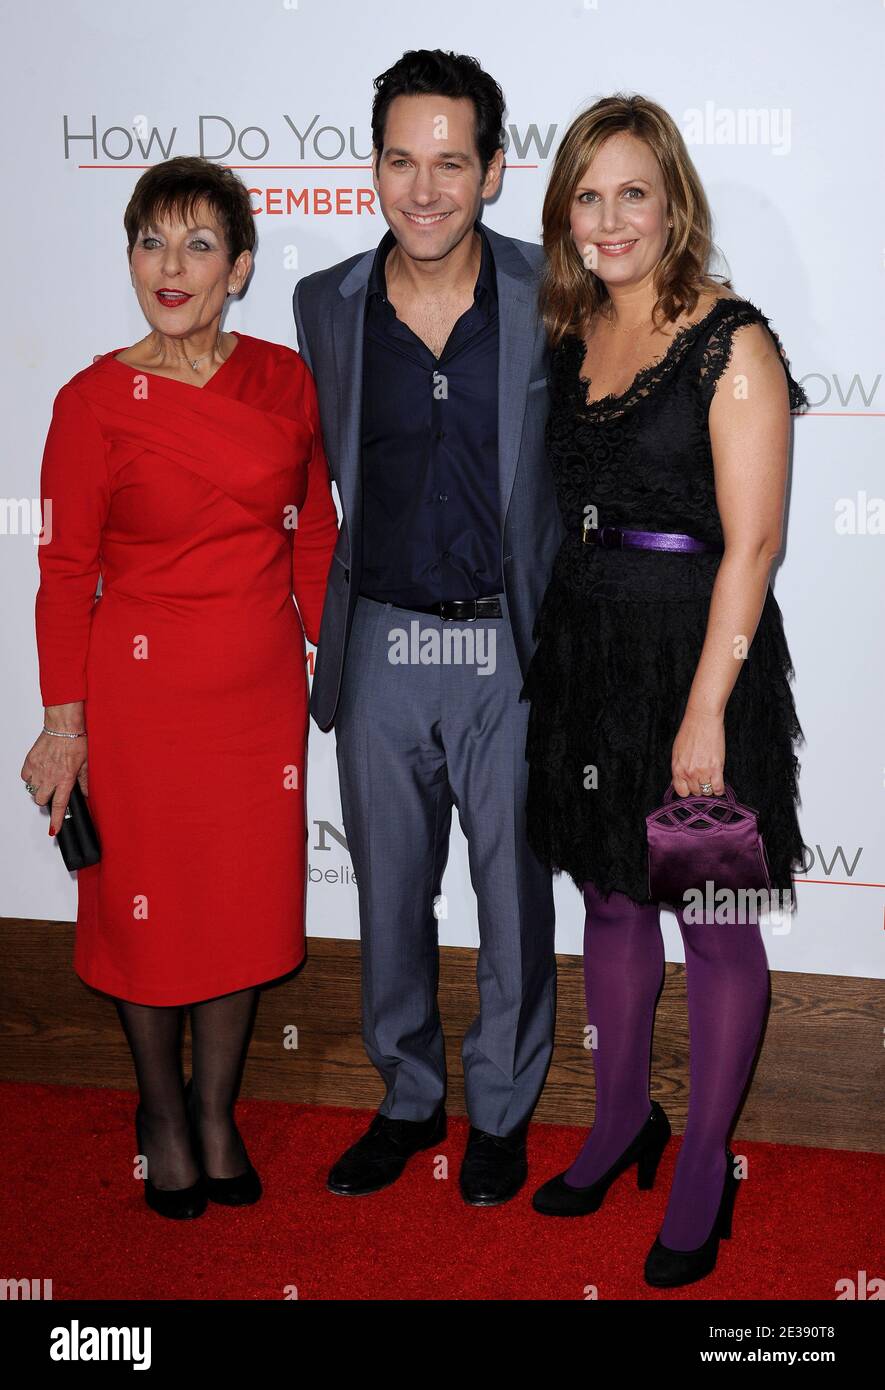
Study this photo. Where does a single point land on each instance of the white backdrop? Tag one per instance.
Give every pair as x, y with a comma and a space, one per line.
781, 105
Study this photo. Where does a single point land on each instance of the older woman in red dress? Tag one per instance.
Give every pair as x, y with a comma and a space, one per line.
188, 472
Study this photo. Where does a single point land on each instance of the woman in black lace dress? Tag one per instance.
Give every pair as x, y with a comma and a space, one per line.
669, 414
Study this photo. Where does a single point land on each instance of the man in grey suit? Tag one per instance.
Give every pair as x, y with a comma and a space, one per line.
430, 361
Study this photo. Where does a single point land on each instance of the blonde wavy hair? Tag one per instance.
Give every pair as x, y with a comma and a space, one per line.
570, 295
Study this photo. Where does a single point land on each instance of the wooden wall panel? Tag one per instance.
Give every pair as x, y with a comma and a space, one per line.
817, 1081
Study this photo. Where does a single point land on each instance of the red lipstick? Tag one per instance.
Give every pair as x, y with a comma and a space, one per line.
171, 299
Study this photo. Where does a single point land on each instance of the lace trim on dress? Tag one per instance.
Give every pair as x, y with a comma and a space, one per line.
645, 379
569, 358
720, 346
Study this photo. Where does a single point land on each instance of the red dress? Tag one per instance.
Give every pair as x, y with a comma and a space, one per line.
203, 509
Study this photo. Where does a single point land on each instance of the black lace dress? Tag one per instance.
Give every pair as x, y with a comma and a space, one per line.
620, 632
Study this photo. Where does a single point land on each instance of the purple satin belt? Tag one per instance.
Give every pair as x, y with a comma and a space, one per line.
617, 538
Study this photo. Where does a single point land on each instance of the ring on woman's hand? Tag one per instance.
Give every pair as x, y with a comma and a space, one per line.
707, 788
29, 787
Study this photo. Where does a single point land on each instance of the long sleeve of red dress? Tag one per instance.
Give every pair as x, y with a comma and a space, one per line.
74, 498
317, 528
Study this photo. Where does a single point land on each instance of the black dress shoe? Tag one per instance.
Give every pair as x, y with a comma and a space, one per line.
379, 1157
494, 1167
178, 1203
668, 1269
243, 1189
558, 1198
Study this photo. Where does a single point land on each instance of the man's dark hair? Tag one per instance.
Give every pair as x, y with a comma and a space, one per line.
430, 71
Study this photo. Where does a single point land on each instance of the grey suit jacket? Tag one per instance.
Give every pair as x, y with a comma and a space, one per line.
329, 315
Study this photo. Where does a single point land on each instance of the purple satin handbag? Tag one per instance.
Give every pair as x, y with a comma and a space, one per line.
695, 839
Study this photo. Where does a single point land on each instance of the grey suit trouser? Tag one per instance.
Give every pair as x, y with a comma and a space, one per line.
415, 738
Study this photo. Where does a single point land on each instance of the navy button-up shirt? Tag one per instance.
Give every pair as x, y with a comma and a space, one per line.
431, 527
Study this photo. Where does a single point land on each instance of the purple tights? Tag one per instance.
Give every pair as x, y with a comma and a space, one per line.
727, 984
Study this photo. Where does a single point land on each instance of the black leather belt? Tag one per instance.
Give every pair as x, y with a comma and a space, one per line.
460, 609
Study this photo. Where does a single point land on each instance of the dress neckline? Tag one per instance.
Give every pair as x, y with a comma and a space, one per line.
616, 398
175, 381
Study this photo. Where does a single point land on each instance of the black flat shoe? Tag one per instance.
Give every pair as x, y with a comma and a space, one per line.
558, 1198
494, 1167
178, 1203
378, 1158
242, 1190
668, 1269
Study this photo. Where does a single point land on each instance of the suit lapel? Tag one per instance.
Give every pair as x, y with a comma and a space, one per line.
348, 317
516, 333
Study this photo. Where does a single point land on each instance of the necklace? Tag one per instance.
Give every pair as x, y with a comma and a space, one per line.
619, 328
194, 360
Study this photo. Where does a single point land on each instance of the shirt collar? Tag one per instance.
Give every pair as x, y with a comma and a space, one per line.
485, 280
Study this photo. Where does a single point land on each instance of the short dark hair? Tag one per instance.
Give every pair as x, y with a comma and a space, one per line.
430, 71
177, 185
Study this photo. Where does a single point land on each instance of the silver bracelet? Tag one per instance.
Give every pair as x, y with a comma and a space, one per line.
56, 733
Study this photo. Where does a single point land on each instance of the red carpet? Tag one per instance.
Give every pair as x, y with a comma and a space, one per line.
73, 1212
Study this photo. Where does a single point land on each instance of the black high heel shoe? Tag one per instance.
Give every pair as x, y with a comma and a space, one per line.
240, 1191
558, 1198
179, 1203
668, 1269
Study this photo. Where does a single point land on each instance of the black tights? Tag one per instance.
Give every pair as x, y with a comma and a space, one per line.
220, 1030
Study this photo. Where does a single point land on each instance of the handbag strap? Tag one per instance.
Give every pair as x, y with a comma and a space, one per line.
728, 794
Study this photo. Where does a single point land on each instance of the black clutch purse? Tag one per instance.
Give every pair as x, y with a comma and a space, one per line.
77, 837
